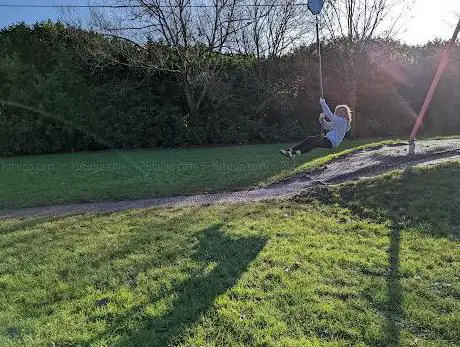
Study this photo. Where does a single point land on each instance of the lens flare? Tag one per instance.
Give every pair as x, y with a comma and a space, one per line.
74, 126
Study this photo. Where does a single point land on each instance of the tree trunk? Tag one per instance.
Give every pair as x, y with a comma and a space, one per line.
192, 103
189, 97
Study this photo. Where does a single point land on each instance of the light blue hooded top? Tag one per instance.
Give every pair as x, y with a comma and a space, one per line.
337, 126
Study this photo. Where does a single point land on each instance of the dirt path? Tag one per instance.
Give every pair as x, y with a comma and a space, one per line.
356, 165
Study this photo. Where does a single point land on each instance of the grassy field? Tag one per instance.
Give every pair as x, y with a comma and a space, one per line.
373, 263
84, 177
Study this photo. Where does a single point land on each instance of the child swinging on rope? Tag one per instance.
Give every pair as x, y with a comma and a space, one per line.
337, 124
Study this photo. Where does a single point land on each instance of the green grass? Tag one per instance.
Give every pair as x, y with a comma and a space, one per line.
317, 162
84, 177
373, 263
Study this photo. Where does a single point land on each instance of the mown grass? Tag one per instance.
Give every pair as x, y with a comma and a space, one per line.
374, 263
327, 156
116, 175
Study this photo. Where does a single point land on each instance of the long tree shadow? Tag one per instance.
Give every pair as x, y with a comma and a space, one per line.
394, 302
231, 257
379, 201
393, 305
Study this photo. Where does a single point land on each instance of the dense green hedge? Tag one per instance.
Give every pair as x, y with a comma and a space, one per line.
53, 100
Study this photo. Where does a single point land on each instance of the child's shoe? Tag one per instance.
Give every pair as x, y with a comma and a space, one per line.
288, 153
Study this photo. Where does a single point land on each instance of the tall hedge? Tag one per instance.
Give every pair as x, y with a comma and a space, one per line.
53, 100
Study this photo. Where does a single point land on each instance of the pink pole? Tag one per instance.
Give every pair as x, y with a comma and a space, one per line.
434, 84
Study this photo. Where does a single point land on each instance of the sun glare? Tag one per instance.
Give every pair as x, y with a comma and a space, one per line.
428, 22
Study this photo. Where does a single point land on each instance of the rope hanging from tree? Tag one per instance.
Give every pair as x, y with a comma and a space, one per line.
315, 7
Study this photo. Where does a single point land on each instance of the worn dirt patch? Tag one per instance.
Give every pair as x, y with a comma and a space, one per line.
356, 165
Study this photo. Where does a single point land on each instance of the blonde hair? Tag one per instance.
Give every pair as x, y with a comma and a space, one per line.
344, 110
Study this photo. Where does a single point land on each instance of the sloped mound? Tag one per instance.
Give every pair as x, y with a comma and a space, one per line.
374, 161
355, 165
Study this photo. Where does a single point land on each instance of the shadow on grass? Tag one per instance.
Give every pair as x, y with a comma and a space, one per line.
75, 253
428, 201
196, 295
23, 224
415, 200
394, 302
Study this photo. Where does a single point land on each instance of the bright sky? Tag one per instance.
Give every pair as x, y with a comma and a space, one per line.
427, 20
430, 19
12, 15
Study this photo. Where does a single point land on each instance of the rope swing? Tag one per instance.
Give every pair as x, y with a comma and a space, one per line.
315, 7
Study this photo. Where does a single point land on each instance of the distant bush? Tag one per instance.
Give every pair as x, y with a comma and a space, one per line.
54, 100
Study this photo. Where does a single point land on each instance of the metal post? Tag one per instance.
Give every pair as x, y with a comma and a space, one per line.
411, 146
434, 84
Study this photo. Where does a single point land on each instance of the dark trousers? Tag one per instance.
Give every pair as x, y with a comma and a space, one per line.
312, 142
